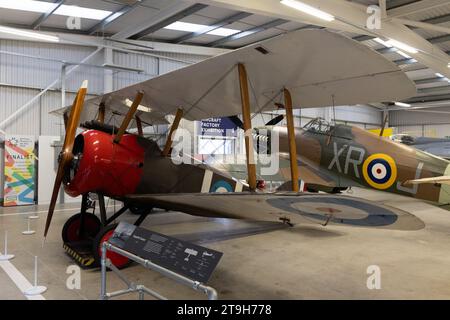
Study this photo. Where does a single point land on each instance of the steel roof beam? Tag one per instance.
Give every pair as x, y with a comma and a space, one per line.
164, 23
112, 17
430, 80
171, 7
434, 90
415, 7
36, 24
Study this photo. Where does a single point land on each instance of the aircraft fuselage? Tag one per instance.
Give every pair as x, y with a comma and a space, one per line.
358, 157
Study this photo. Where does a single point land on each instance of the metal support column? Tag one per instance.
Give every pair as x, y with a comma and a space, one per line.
245, 100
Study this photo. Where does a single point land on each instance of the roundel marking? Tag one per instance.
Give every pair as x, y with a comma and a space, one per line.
380, 171
221, 187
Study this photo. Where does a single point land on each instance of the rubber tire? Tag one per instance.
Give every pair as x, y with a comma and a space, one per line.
92, 223
102, 236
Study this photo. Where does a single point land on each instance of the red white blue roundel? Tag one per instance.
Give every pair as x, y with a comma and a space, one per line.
221, 187
380, 171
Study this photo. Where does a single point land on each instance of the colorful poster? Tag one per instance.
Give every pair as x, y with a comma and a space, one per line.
19, 170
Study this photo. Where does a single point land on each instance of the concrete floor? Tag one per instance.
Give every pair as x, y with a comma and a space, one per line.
261, 260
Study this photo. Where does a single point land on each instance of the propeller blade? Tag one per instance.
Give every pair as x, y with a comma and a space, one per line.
66, 153
58, 180
237, 121
275, 120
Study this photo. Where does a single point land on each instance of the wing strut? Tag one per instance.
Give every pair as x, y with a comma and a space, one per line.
291, 137
175, 124
385, 121
129, 116
245, 100
101, 112
139, 126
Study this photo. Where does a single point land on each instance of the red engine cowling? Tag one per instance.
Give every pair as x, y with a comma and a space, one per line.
100, 165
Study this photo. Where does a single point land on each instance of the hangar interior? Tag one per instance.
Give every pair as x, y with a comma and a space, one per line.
118, 43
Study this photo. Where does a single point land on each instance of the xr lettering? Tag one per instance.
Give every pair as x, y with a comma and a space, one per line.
354, 158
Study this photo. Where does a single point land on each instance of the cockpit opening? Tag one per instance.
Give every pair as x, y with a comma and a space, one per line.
318, 125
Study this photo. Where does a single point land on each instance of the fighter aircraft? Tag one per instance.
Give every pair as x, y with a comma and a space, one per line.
438, 146
334, 157
313, 67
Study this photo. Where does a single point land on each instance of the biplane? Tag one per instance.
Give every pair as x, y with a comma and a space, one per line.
309, 68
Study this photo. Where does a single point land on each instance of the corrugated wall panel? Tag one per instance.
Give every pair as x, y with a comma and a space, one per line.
428, 117
166, 65
412, 130
25, 71
10, 100
433, 131
122, 79
352, 114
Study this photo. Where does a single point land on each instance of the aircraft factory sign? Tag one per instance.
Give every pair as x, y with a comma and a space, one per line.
19, 183
217, 127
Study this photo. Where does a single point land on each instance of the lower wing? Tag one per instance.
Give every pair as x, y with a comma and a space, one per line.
294, 208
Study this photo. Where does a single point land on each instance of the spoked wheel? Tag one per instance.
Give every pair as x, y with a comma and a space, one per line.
116, 259
71, 229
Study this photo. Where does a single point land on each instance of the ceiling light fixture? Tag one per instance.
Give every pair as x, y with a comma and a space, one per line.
308, 9
402, 46
194, 27
382, 42
81, 12
402, 104
28, 5
403, 54
63, 10
28, 34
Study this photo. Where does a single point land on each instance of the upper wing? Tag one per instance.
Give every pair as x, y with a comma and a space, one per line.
275, 207
440, 179
319, 67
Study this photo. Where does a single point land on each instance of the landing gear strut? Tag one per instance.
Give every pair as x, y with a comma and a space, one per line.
84, 233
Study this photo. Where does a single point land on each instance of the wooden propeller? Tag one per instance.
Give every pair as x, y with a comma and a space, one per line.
66, 156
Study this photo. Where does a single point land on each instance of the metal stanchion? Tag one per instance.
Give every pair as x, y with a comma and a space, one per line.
35, 290
5, 256
28, 231
35, 216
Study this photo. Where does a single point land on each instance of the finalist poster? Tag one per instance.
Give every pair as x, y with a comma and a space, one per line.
19, 170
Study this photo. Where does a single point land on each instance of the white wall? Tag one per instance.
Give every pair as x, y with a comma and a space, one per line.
429, 122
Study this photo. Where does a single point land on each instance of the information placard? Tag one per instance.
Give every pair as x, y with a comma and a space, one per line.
192, 261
